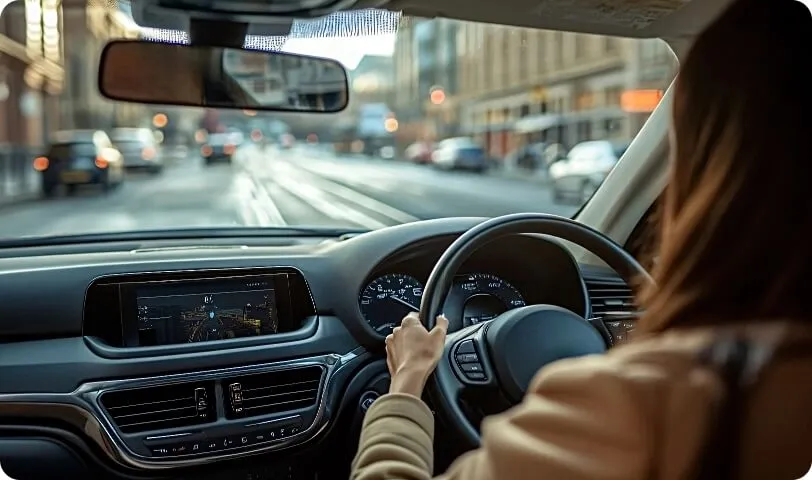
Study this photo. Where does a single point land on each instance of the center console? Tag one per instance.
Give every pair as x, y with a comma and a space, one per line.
193, 418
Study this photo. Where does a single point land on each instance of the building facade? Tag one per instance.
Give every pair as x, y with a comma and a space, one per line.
88, 26
31, 71
521, 85
426, 61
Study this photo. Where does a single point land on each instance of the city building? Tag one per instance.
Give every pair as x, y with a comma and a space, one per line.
521, 85
427, 73
372, 81
88, 26
31, 71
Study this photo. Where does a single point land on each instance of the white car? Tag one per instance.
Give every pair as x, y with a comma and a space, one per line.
577, 176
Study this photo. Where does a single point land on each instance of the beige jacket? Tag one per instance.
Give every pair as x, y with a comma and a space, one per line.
638, 412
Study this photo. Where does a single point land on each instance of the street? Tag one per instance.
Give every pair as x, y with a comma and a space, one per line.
303, 186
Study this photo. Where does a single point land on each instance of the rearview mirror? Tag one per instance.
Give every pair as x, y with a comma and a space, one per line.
217, 77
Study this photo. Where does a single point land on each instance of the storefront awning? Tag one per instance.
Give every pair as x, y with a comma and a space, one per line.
538, 123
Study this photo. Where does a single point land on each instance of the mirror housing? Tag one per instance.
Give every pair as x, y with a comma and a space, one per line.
218, 77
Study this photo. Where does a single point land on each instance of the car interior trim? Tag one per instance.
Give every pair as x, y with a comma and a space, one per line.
82, 409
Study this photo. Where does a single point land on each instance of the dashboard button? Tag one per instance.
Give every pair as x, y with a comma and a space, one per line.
196, 447
260, 437
471, 367
212, 444
160, 451
179, 449
475, 376
467, 357
229, 442
466, 347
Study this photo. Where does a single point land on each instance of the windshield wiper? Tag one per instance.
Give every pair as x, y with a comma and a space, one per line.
182, 234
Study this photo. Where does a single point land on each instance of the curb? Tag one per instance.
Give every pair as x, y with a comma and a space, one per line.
20, 199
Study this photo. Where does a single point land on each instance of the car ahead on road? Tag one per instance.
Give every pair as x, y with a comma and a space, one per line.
220, 148
139, 149
77, 158
460, 153
582, 171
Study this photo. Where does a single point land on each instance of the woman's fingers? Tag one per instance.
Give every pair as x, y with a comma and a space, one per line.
441, 326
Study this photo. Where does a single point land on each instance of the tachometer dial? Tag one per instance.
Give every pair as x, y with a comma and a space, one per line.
386, 300
487, 296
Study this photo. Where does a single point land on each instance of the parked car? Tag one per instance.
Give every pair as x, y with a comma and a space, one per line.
419, 152
576, 177
80, 157
139, 148
460, 153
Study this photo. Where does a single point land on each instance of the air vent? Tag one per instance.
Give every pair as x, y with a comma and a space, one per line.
272, 392
161, 407
610, 297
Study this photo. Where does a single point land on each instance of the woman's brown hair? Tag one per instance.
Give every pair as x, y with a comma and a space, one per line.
736, 229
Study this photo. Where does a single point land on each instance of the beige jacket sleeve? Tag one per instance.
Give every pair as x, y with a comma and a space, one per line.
588, 418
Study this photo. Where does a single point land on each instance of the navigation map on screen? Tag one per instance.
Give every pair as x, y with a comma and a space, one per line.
168, 315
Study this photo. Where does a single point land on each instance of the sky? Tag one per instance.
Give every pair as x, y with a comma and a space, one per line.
349, 51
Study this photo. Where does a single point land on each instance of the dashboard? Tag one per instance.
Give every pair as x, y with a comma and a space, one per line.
176, 359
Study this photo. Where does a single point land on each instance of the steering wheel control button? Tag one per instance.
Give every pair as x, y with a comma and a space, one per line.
467, 357
367, 399
466, 347
471, 368
468, 361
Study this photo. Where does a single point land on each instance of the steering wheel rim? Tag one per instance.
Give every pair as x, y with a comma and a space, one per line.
444, 385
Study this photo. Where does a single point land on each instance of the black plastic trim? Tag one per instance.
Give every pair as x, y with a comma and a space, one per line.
308, 330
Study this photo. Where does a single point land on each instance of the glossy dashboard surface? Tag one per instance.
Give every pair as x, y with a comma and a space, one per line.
51, 358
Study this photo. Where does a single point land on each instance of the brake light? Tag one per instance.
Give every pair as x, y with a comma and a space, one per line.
41, 164
148, 153
205, 150
101, 162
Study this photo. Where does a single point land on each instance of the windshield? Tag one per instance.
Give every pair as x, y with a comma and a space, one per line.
446, 118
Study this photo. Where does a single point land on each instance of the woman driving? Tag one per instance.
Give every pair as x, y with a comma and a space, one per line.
734, 257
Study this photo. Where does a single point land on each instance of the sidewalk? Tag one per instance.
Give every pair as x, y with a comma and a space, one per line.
16, 190
18, 180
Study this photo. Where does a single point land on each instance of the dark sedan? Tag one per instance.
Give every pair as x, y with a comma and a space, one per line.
79, 158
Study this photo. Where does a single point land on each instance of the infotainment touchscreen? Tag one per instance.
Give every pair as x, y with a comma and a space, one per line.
206, 310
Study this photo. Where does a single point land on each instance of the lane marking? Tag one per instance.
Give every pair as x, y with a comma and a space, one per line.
348, 194
315, 198
258, 205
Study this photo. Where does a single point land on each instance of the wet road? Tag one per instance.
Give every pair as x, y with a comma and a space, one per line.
298, 187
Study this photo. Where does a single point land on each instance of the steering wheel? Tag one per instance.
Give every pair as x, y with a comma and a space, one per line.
506, 352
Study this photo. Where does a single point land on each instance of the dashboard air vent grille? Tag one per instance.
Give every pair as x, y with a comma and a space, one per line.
160, 407
610, 297
272, 392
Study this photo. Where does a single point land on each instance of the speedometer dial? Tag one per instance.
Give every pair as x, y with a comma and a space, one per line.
487, 296
386, 300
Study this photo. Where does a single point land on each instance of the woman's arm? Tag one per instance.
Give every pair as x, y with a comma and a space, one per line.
582, 419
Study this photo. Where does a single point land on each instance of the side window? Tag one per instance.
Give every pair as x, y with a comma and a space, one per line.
644, 242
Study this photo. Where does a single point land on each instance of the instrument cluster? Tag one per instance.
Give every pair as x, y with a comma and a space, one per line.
474, 298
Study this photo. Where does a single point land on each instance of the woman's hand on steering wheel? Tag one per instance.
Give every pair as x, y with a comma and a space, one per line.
412, 352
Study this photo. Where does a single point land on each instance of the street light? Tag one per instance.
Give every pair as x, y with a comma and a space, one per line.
160, 120
391, 125
437, 95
